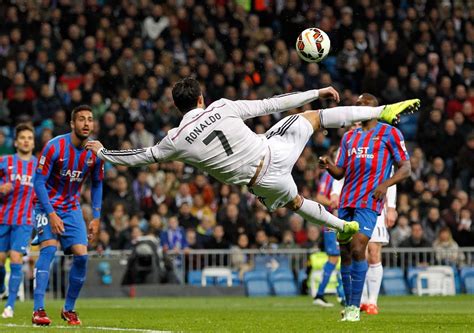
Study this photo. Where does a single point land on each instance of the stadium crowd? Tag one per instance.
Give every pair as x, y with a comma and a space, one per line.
123, 61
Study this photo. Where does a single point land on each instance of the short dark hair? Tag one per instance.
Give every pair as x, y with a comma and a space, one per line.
79, 108
186, 93
23, 127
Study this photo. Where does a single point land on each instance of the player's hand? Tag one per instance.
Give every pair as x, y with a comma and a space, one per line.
6, 188
380, 192
390, 217
334, 201
323, 162
57, 225
93, 229
329, 93
93, 146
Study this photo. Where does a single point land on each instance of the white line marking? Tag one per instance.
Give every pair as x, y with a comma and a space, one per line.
99, 328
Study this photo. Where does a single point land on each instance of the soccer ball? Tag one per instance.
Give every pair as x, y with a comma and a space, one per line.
313, 45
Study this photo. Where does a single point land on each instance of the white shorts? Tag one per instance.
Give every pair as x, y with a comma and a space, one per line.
380, 234
275, 186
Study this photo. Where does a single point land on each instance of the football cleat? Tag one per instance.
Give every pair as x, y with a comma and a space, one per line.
350, 229
352, 313
40, 318
372, 309
363, 307
321, 301
391, 112
7, 312
71, 317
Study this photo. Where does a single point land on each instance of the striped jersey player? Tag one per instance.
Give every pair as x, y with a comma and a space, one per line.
63, 168
16, 210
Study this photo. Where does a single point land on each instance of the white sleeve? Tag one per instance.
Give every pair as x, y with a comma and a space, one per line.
137, 157
337, 186
246, 109
391, 196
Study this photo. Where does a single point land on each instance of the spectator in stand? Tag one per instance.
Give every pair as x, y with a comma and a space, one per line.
401, 232
313, 235
232, 223
296, 227
185, 217
432, 224
173, 238
416, 238
446, 249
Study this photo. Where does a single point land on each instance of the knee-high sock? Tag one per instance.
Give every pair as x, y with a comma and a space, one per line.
327, 271
315, 213
346, 282
77, 276
358, 272
2, 278
342, 116
42, 275
374, 280
340, 287
365, 293
16, 275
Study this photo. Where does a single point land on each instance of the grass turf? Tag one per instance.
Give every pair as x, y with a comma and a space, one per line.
238, 314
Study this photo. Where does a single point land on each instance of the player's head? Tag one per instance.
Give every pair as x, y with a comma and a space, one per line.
367, 100
24, 138
187, 95
82, 121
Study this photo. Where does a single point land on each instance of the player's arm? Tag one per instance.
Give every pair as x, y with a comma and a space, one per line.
391, 202
336, 190
133, 157
96, 195
43, 172
396, 146
5, 186
249, 109
336, 170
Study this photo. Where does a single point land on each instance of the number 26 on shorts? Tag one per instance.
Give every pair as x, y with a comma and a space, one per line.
41, 220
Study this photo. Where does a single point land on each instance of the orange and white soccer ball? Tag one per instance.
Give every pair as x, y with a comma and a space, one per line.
313, 45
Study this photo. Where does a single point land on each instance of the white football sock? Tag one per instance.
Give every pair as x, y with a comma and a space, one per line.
342, 116
374, 280
365, 294
315, 213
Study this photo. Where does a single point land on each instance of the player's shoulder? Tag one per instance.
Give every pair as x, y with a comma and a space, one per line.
54, 141
390, 130
218, 104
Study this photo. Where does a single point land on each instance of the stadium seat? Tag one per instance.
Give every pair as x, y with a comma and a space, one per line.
281, 275
222, 281
412, 274
469, 284
194, 278
284, 288
394, 286
258, 288
467, 271
255, 275
392, 273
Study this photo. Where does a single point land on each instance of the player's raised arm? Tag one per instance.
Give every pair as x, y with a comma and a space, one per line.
250, 109
96, 195
132, 157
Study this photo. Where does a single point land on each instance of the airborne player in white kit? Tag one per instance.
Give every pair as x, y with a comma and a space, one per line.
216, 140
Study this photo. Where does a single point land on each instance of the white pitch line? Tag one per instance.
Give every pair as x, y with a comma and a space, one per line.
99, 328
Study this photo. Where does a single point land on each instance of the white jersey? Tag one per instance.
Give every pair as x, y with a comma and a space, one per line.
216, 139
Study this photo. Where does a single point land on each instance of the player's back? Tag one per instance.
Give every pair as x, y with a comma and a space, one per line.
16, 206
216, 140
66, 168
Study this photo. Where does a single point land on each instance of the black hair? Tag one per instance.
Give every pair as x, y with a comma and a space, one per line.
79, 108
186, 93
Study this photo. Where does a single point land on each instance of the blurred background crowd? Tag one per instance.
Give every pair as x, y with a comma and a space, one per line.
123, 57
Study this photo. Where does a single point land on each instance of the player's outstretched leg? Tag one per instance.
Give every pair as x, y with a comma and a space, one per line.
328, 268
77, 276
342, 116
41, 283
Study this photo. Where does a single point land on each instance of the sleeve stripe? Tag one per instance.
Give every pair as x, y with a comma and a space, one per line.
127, 152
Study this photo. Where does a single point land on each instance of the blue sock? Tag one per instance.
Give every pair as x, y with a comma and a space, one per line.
2, 278
346, 282
340, 287
42, 275
327, 271
358, 272
16, 276
77, 276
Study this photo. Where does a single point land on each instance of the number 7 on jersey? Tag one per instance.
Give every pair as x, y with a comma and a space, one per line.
219, 134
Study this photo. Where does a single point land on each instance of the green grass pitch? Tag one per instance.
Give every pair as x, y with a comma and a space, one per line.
240, 314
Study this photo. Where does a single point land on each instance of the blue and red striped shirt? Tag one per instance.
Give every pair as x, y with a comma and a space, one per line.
16, 207
367, 157
62, 170
325, 184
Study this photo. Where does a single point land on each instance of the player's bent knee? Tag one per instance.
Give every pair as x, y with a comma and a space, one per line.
48, 242
16, 257
295, 204
333, 259
313, 117
79, 250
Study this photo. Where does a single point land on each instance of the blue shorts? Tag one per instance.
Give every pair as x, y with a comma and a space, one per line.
15, 237
331, 246
366, 217
74, 229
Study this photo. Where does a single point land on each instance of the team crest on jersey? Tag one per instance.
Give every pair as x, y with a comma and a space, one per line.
375, 138
90, 161
402, 144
